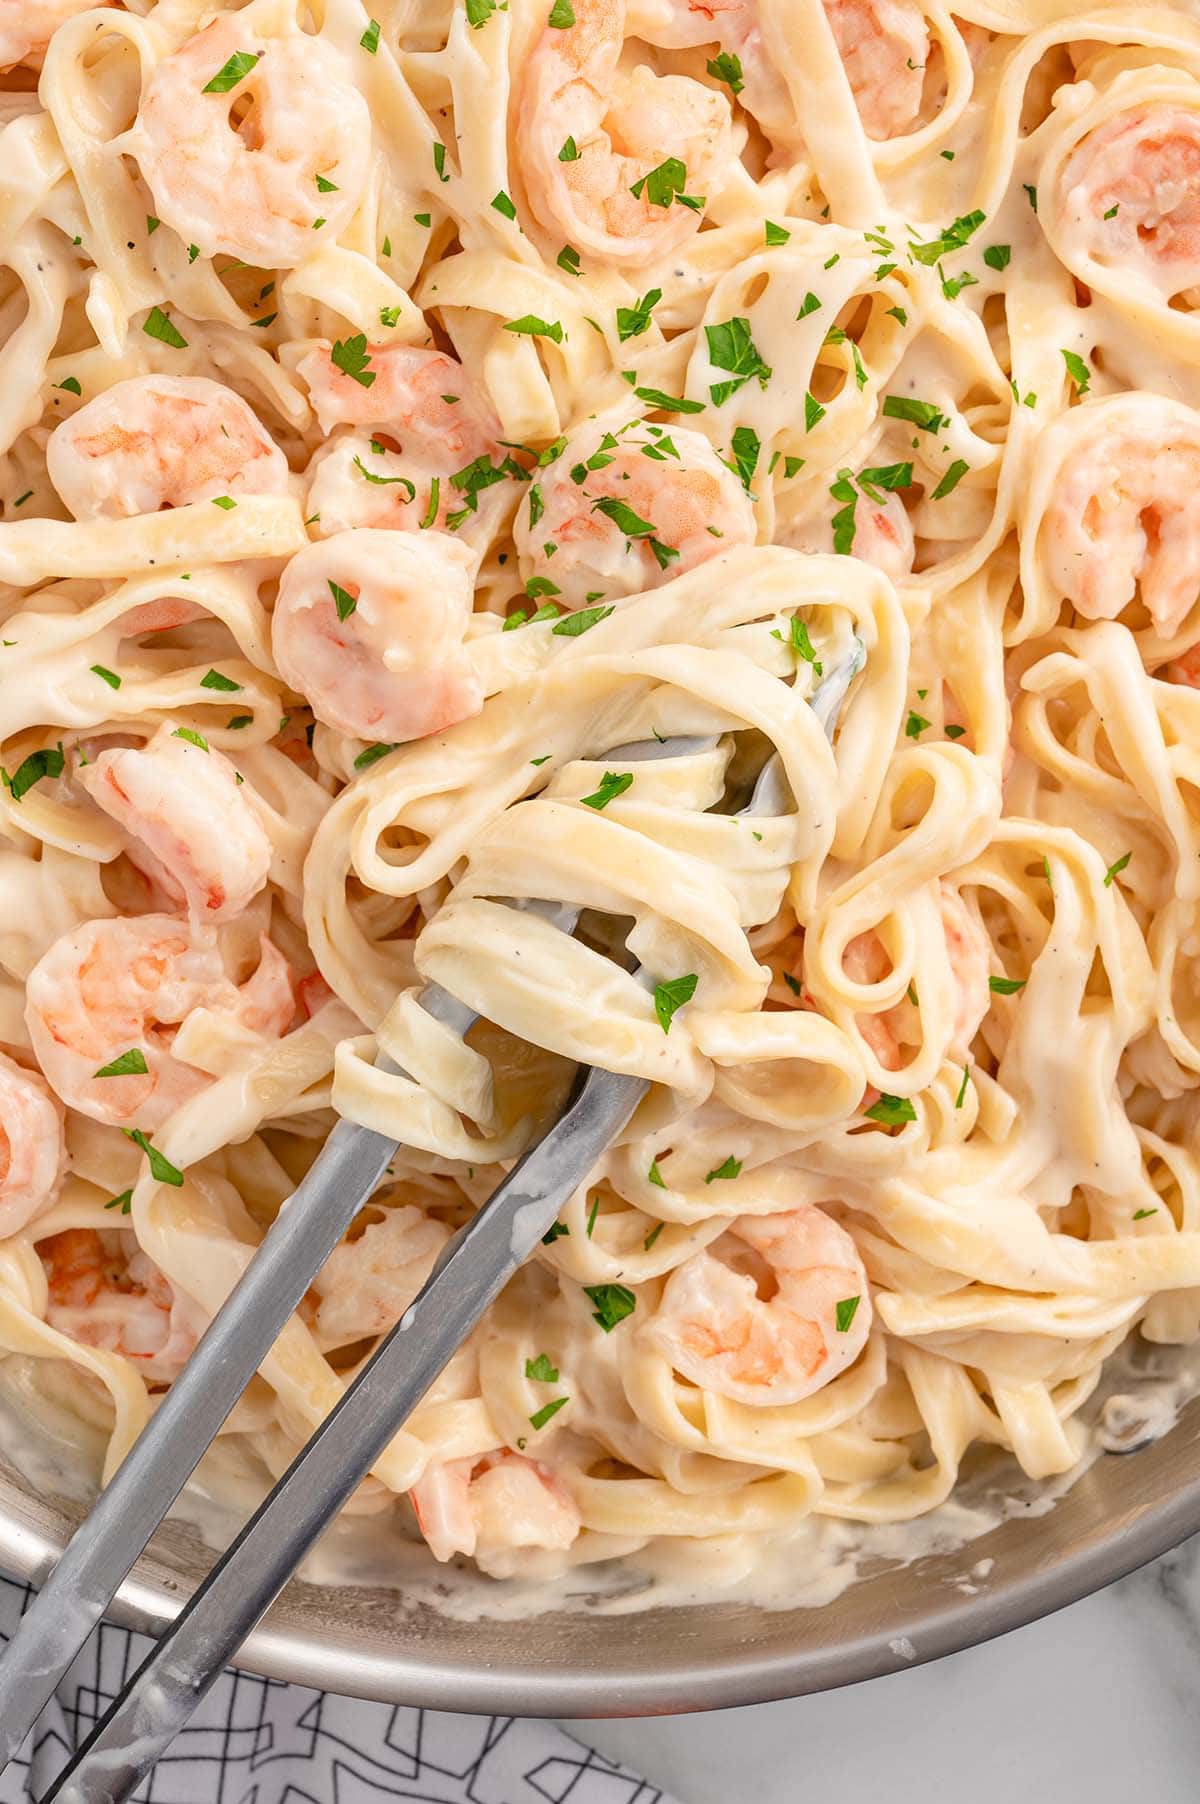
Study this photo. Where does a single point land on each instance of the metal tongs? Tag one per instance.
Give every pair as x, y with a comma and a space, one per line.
472, 1270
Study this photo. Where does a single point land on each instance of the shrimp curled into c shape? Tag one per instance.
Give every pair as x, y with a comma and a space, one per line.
622, 126
161, 441
715, 1327
1125, 514
32, 1152
245, 182
192, 826
1130, 192
103, 1295
623, 511
369, 627
113, 987
483, 1507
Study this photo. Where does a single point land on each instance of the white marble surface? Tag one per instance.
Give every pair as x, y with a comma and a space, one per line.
1099, 1704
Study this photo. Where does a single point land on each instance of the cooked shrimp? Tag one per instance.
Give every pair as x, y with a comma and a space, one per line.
32, 1152
968, 952
101, 1298
356, 480
234, 163
623, 511
1131, 192
884, 47
369, 627
114, 987
190, 822
1124, 518
490, 1505
161, 441
366, 1284
26, 27
883, 535
624, 123
773, 1310
728, 25
422, 399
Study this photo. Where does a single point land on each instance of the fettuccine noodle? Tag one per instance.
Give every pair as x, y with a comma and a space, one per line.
401, 412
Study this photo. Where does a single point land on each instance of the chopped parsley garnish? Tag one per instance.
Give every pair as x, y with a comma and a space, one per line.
70, 385
223, 501
898, 313
1114, 870
664, 184
1006, 986
728, 1168
431, 512
884, 476
46, 763
503, 204
554, 1232
845, 1312
343, 601
106, 676
631, 321
372, 754
612, 784
572, 625
953, 238
810, 304
541, 1416
1112, 214
439, 164
562, 15
727, 68
127, 1064
951, 479
541, 1369
350, 355
793, 984
325, 186
212, 679
232, 72
192, 738
613, 1303
745, 446
385, 481
774, 235
952, 286
1030, 194
892, 1111
955, 732
389, 316
997, 256
671, 996
843, 522
157, 325
569, 152
1140, 1214
654, 397
370, 37
915, 725
568, 260
730, 347
962, 1088
531, 327
160, 1168
922, 414
653, 1235
479, 12
123, 1202
1078, 371
814, 412
654, 1175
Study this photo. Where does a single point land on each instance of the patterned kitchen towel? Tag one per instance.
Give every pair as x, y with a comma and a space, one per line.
254, 1741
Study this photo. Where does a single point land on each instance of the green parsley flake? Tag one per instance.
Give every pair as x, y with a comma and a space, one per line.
562, 15
654, 397
1141, 1214
503, 204
727, 68
953, 237
774, 235
613, 1303
632, 321
951, 479
1114, 870
531, 327
845, 1312
1006, 986
70, 386
123, 1202
192, 737
1078, 370
922, 414
664, 184
569, 152
343, 601
671, 996
654, 1175
213, 679
745, 446
728, 1168
612, 784
350, 355
106, 676
370, 38
223, 501
814, 412
892, 1111
810, 304
568, 260
48, 762
541, 1416
541, 1369
730, 347
127, 1064
915, 725
157, 325
998, 256
962, 1088
232, 72
371, 755
161, 1168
